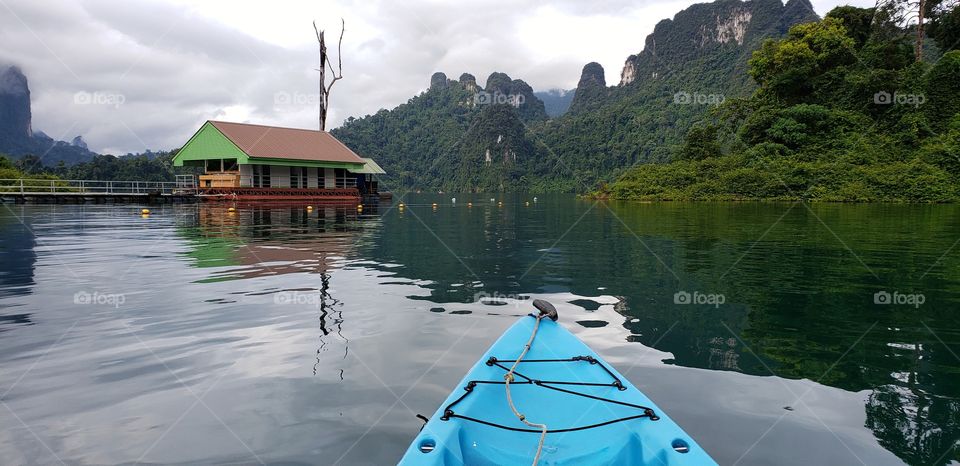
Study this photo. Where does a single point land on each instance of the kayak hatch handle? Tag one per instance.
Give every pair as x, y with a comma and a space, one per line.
680, 446
424, 419
427, 445
546, 309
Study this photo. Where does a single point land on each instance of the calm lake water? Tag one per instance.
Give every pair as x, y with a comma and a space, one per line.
278, 335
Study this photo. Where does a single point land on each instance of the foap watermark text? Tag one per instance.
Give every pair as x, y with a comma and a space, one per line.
899, 299
487, 98
696, 297
697, 98
897, 98
299, 298
296, 99
107, 98
500, 298
99, 299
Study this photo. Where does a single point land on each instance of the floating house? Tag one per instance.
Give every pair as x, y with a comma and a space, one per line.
255, 162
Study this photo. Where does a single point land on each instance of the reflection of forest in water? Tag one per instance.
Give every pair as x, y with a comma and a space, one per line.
260, 241
798, 302
18, 260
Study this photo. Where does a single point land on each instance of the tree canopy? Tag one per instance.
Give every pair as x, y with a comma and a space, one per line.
842, 112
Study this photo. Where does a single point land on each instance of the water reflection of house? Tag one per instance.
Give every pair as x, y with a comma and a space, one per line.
263, 241
254, 162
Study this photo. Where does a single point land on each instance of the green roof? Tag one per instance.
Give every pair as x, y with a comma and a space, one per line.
369, 168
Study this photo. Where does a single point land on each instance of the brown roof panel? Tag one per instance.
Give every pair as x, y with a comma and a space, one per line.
273, 142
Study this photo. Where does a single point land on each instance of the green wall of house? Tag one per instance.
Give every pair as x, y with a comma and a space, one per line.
209, 144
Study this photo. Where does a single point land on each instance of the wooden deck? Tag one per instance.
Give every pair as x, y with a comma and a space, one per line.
183, 190
280, 194
80, 191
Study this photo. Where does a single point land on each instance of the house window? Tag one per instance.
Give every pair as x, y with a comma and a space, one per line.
230, 165
215, 165
261, 176
344, 178
298, 177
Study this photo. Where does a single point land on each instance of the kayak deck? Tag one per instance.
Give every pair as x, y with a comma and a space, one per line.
593, 414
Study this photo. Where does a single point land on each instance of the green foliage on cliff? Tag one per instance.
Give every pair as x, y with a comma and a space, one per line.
10, 171
153, 167
842, 112
449, 139
159, 167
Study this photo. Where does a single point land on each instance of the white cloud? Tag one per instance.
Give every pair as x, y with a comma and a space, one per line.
179, 62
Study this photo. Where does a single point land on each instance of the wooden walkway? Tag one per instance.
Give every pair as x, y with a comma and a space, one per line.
78, 191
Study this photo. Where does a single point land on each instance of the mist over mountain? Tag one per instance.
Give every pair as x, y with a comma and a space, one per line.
556, 102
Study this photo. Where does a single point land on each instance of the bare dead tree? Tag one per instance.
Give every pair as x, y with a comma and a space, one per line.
337, 74
903, 13
921, 10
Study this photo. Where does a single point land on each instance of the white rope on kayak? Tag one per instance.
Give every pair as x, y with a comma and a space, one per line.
509, 378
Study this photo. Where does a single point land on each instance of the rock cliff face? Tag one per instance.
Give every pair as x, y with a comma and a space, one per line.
590, 88
79, 142
592, 76
517, 93
17, 137
14, 105
438, 80
733, 28
469, 82
703, 30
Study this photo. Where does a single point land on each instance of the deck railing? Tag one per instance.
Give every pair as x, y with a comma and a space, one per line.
26, 186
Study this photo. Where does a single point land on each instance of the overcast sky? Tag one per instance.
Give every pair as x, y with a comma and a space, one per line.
131, 75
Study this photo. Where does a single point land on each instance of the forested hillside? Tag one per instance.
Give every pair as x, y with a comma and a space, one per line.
459, 136
843, 111
688, 65
447, 139
157, 166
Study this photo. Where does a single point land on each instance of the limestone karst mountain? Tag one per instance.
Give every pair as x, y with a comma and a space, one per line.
440, 139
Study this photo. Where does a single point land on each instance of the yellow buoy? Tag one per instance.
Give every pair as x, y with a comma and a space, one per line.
469, 204
309, 207
232, 209
145, 211
434, 204
401, 205
359, 207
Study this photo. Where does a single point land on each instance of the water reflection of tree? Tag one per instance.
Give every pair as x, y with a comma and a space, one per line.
261, 241
921, 428
330, 306
17, 252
